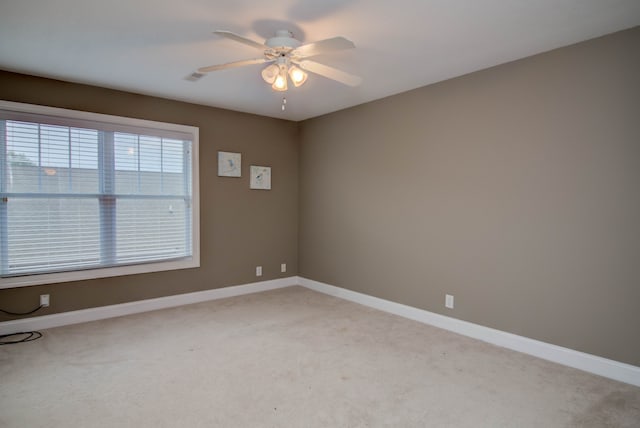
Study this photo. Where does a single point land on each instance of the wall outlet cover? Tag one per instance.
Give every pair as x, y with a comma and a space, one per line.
44, 300
448, 301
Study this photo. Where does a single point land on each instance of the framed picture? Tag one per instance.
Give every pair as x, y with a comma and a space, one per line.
260, 177
229, 164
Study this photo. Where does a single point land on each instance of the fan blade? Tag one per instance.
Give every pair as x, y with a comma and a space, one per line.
233, 64
322, 47
237, 38
330, 72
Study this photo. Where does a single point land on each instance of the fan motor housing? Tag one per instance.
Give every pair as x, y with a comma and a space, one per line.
283, 39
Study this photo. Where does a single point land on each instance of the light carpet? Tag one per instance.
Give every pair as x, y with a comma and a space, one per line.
291, 358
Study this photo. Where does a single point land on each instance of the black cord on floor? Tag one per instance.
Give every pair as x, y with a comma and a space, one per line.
22, 313
29, 336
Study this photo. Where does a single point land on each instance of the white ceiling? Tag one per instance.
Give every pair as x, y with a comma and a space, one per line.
150, 46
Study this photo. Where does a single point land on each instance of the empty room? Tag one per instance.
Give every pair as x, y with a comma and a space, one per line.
305, 213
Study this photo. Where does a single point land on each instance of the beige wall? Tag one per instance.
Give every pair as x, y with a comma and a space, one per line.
240, 228
516, 189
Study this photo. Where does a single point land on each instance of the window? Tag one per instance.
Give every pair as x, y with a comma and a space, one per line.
84, 195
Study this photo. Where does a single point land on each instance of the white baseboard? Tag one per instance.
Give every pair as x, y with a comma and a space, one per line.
590, 363
103, 312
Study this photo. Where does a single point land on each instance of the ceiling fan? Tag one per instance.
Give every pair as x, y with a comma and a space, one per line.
288, 56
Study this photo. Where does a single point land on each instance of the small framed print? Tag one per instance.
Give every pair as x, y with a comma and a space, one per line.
260, 177
229, 164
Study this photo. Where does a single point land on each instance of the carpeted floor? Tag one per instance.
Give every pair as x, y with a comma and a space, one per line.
291, 358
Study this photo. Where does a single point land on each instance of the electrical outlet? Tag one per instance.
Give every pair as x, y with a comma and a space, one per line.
448, 301
258, 270
283, 267
44, 300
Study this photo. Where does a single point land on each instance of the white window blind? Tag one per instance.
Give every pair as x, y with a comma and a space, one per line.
79, 194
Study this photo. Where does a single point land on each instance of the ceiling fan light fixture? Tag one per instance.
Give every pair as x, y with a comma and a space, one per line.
285, 58
280, 83
270, 73
298, 77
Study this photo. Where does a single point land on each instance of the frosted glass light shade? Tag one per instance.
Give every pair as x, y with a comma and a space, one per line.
280, 83
270, 73
298, 77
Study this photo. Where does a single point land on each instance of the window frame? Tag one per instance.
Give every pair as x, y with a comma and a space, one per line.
68, 115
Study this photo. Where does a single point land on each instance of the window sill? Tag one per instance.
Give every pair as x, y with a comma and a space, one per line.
51, 278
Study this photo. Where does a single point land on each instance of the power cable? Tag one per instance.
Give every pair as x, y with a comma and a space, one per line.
29, 336
22, 313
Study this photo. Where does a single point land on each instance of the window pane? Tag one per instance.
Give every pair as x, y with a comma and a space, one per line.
150, 153
138, 223
126, 151
85, 177
51, 159
52, 234
126, 182
84, 148
173, 178
54, 146
23, 142
150, 165
172, 155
